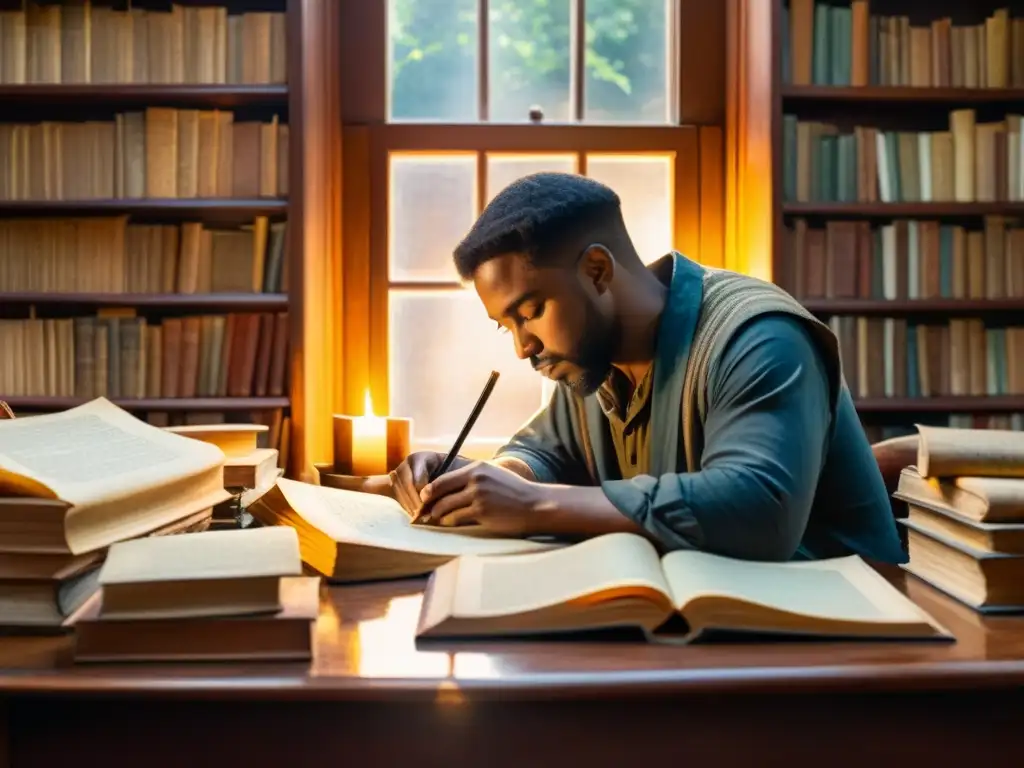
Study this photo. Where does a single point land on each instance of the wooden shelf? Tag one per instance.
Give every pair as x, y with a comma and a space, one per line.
885, 94
146, 206
234, 301
961, 404
170, 95
155, 404
761, 175
889, 307
908, 210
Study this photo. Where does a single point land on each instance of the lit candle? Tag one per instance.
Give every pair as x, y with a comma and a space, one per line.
369, 443
361, 441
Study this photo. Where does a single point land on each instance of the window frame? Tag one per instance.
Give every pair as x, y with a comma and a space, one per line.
577, 69
368, 139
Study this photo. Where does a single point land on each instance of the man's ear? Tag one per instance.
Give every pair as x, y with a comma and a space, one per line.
597, 265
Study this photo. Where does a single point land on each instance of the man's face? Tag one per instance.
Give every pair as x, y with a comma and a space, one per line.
553, 316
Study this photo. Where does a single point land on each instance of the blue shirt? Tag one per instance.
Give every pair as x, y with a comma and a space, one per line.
781, 477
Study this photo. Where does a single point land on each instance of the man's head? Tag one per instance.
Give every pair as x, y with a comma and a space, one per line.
544, 257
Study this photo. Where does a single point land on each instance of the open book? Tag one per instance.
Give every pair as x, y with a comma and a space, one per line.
619, 580
102, 475
950, 452
352, 536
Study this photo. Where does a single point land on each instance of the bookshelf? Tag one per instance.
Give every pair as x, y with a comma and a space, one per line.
228, 301
866, 95
150, 181
124, 94
894, 193
172, 404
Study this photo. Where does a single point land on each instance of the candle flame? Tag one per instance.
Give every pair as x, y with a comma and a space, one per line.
369, 423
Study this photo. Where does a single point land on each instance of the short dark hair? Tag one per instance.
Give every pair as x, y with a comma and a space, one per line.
532, 216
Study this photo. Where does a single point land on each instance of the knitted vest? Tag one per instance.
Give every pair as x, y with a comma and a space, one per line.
729, 300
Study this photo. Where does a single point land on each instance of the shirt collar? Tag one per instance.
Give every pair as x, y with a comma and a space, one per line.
611, 395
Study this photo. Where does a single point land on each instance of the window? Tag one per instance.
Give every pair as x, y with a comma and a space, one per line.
565, 61
434, 197
480, 93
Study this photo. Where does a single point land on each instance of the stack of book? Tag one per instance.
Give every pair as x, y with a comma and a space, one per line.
74, 483
212, 596
965, 522
249, 469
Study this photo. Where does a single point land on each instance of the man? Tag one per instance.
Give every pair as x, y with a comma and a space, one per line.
700, 408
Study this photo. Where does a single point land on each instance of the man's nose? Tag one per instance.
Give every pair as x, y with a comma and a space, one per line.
527, 345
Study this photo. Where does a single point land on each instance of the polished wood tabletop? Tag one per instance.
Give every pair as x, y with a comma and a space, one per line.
365, 649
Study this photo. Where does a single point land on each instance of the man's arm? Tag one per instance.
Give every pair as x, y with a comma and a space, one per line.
765, 434
546, 449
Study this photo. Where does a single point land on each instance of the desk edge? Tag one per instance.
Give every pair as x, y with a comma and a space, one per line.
845, 679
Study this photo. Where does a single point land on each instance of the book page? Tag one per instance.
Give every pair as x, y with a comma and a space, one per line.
844, 589
621, 563
379, 521
949, 452
94, 453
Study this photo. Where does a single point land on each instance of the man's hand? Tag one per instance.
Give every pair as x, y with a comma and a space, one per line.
412, 475
485, 494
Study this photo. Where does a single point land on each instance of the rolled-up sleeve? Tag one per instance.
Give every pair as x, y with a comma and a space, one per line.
766, 436
549, 444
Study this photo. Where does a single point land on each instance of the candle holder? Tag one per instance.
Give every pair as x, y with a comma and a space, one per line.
328, 478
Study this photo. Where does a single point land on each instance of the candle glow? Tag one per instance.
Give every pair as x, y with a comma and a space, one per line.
369, 442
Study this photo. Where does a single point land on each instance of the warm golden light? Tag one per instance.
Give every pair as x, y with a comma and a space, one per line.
387, 648
369, 442
368, 406
388, 644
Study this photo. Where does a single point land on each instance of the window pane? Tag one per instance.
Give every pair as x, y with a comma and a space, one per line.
502, 170
644, 183
627, 61
433, 206
433, 60
442, 348
529, 63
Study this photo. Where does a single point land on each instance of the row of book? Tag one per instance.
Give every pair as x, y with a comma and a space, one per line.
965, 516
104, 547
82, 42
115, 354
240, 594
847, 45
157, 153
377, 542
971, 162
906, 259
116, 255
897, 357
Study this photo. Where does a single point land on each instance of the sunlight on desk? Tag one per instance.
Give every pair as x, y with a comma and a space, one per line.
387, 648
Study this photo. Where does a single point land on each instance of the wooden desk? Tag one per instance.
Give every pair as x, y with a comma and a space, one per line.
372, 699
